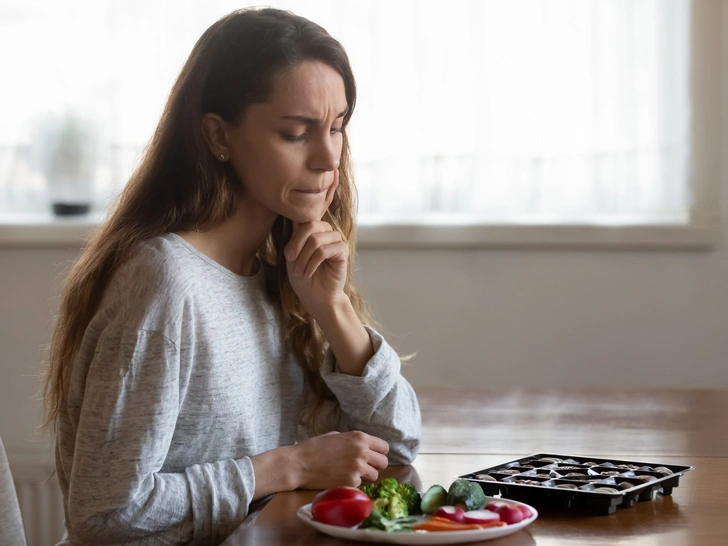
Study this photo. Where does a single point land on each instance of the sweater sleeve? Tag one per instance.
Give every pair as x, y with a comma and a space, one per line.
380, 402
117, 491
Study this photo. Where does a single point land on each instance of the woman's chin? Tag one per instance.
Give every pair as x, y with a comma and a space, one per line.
303, 216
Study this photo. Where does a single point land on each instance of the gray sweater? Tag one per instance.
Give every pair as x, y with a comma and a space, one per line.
182, 376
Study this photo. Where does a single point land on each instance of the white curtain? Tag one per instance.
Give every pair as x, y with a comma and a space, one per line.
519, 111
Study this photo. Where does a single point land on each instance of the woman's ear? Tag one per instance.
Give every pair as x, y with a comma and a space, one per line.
213, 129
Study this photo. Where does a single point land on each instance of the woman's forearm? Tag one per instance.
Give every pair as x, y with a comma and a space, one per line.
347, 337
274, 472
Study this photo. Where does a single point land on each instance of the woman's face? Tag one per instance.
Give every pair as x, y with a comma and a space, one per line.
286, 151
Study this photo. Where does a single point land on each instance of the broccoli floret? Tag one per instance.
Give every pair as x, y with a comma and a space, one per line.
378, 516
381, 505
410, 496
371, 490
388, 488
392, 501
466, 494
377, 521
397, 507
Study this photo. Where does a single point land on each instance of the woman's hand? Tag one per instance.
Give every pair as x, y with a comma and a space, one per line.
317, 261
339, 459
330, 460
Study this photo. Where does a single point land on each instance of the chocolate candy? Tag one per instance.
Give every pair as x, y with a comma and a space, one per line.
610, 490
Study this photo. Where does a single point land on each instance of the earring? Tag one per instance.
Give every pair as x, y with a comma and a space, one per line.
222, 156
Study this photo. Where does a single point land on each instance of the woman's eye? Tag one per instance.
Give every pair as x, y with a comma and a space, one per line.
335, 130
293, 138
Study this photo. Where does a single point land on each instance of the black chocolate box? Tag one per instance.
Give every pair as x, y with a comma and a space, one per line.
582, 484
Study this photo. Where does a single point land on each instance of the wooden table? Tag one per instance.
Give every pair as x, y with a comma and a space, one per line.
466, 431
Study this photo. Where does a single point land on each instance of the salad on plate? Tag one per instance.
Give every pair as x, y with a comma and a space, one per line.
396, 512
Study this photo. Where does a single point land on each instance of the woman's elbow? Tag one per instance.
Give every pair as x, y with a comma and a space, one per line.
88, 526
405, 452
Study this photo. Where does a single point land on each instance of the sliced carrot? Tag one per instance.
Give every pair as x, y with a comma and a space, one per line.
436, 524
481, 525
494, 524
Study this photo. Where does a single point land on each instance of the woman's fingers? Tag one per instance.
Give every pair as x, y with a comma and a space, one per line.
348, 458
377, 444
378, 461
311, 239
301, 234
370, 475
336, 251
319, 247
374, 450
311, 245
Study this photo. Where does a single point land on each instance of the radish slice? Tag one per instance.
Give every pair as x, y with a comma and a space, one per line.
510, 514
494, 505
480, 517
525, 510
453, 513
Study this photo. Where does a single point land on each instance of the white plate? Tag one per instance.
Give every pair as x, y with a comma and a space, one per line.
416, 537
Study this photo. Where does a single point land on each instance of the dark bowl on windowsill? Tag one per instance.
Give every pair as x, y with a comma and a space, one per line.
71, 209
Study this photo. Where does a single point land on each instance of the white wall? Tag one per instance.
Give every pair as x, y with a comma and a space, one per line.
29, 284
480, 318
548, 319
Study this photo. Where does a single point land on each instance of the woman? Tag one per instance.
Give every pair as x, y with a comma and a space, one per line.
211, 348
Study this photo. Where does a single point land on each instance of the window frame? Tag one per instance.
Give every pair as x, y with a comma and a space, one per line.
709, 180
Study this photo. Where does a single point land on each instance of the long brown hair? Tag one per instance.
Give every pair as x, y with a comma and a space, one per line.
180, 186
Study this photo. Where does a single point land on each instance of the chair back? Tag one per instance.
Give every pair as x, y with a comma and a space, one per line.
11, 522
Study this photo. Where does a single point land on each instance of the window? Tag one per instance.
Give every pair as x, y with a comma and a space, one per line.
477, 112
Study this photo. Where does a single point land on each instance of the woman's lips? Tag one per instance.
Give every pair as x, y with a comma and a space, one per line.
313, 192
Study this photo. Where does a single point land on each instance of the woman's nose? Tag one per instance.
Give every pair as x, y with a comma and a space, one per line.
325, 155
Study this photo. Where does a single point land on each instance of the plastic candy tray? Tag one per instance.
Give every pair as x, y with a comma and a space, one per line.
584, 484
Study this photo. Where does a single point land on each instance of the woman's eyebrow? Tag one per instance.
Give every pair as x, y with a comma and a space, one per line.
313, 121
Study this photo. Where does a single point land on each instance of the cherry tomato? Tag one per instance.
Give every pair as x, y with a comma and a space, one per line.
341, 506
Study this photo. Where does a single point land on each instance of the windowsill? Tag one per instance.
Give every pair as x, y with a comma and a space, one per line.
532, 236
45, 230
